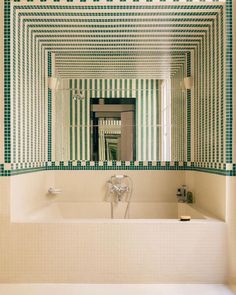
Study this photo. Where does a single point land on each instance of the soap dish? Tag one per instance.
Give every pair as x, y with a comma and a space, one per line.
185, 218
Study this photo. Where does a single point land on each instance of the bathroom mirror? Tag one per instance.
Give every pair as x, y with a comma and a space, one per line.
136, 123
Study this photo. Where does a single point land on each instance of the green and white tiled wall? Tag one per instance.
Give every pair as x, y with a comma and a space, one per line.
208, 96
178, 117
27, 108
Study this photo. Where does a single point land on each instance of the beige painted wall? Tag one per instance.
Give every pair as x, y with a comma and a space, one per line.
209, 191
4, 198
29, 193
231, 227
89, 186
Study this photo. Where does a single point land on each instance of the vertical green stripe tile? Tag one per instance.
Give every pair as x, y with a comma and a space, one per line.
121, 86
71, 119
142, 118
81, 123
76, 105
152, 156
146, 119
86, 106
110, 86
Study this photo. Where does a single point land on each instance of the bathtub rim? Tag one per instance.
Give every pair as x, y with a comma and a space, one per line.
30, 218
113, 221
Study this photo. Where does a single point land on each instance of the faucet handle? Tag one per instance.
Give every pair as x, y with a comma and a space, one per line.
178, 194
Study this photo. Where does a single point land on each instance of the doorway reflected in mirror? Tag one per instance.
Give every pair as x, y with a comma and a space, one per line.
112, 129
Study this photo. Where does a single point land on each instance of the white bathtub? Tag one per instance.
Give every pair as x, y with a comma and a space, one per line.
152, 246
72, 211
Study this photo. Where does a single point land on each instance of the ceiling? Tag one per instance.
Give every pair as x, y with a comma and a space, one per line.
118, 40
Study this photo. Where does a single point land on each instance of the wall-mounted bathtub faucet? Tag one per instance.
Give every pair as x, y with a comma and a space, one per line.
119, 189
183, 195
54, 191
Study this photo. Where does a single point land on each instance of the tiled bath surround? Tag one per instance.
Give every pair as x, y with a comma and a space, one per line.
90, 255
43, 244
107, 251
115, 289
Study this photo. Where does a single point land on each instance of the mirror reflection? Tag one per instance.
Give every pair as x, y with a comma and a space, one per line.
112, 129
101, 120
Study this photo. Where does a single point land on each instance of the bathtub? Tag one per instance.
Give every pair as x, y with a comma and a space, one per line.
72, 211
84, 245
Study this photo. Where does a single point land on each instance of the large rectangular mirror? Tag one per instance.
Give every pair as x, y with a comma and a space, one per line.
133, 122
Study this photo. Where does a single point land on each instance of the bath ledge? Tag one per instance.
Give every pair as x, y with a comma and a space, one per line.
115, 221
100, 212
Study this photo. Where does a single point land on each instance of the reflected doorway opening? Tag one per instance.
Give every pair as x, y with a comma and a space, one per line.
112, 129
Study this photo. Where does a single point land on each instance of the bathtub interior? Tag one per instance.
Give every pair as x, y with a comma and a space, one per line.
102, 210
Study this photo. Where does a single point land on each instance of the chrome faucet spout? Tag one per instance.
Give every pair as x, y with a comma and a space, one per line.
119, 190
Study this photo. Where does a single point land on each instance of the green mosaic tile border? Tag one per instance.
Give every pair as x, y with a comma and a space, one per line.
115, 165
198, 7
188, 109
7, 81
49, 109
4, 172
216, 168
229, 81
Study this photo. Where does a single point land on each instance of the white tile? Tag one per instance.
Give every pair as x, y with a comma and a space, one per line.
140, 289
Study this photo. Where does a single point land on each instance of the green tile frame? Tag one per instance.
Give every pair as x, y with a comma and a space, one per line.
188, 109
206, 167
158, 166
49, 109
229, 81
7, 81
